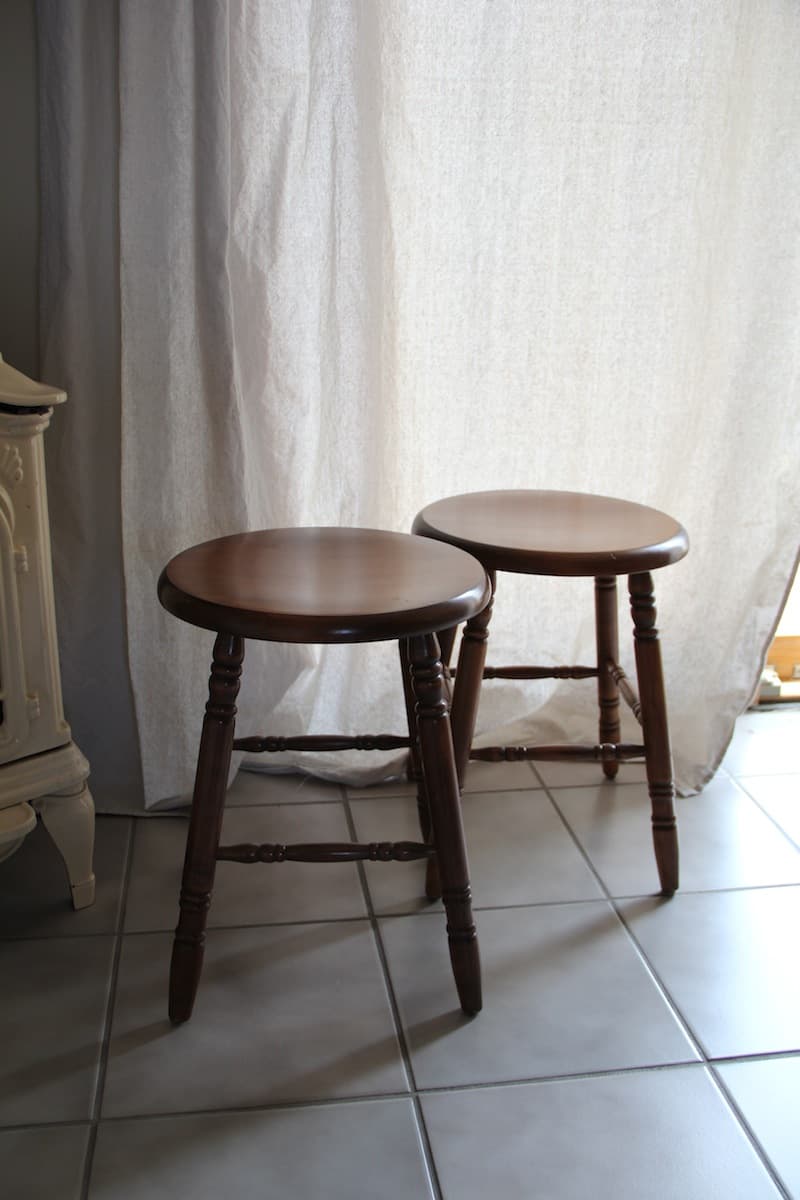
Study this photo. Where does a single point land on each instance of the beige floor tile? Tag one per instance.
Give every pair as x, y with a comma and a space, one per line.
499, 777
767, 1093
53, 1002
399, 786
564, 991
335, 1152
285, 1013
267, 787
578, 774
765, 742
729, 961
725, 839
664, 1135
519, 852
779, 796
39, 1163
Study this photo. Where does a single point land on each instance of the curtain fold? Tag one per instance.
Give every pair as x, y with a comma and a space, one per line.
322, 263
80, 350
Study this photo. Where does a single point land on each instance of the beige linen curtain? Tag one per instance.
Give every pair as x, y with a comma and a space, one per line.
325, 262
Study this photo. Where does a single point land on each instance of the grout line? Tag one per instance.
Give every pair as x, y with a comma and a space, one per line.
677, 1015
585, 786
564, 1077
579, 847
405, 1051
792, 841
682, 1022
24, 1126
536, 774
748, 1132
232, 806
724, 891
433, 1090
758, 1056
426, 910
376, 1097
266, 1107
102, 1065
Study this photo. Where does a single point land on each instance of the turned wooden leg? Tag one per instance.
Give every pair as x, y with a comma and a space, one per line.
447, 639
467, 690
433, 884
414, 768
438, 764
605, 609
204, 825
658, 757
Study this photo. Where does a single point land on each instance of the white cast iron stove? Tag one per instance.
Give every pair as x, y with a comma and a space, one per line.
40, 766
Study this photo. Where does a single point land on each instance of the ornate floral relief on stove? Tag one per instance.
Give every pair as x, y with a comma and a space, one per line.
11, 470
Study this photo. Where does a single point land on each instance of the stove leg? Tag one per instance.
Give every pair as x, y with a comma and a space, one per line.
68, 817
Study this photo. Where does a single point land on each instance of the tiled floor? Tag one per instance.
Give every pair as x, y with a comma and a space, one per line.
628, 1047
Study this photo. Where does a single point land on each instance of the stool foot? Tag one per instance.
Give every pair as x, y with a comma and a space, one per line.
665, 835
184, 976
665, 844
205, 823
466, 964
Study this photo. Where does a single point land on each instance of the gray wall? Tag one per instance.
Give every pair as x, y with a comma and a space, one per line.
19, 187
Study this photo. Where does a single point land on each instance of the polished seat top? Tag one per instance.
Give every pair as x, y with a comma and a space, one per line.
323, 585
555, 533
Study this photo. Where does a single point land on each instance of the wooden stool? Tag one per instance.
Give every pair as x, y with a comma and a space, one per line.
315, 586
568, 533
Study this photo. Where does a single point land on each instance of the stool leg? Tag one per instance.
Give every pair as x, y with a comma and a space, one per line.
433, 885
447, 639
414, 770
436, 752
469, 676
605, 612
658, 757
204, 825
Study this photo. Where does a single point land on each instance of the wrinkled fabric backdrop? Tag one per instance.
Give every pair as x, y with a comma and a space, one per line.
323, 263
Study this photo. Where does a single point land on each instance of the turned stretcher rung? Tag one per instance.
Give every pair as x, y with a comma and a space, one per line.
367, 741
621, 752
539, 672
325, 852
628, 693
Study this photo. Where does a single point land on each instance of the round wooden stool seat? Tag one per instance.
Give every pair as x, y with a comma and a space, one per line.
572, 534
555, 533
323, 585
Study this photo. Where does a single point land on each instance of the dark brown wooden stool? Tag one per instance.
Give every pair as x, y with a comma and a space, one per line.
569, 533
322, 586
